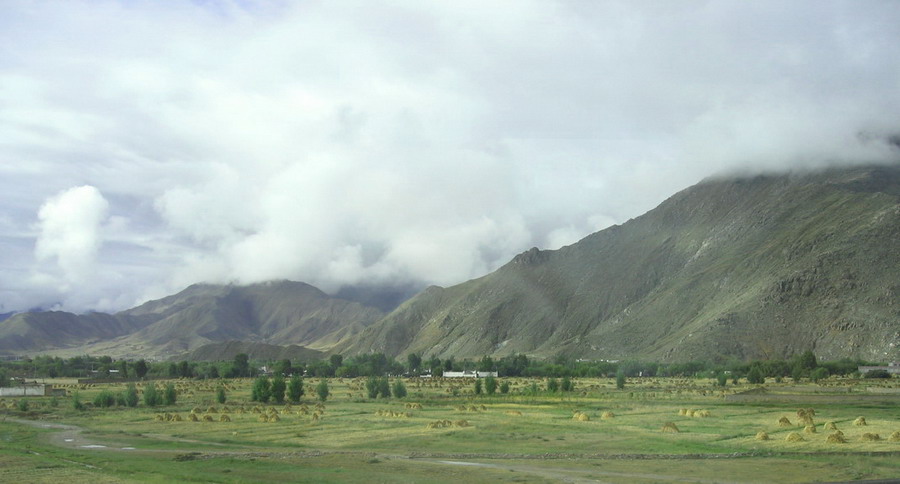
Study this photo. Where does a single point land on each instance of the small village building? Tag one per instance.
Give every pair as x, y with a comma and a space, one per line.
469, 374
32, 389
893, 368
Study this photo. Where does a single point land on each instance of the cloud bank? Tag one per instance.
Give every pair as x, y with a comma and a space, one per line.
147, 146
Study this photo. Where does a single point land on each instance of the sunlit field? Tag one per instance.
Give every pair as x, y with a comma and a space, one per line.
653, 430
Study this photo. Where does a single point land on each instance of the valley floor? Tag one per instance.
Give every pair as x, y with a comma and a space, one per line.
442, 432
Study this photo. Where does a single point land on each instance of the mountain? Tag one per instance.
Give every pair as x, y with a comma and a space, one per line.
749, 267
280, 312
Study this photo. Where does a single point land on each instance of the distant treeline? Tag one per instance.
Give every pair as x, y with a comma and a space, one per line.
805, 365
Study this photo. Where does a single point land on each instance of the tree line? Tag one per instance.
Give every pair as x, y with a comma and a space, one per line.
803, 365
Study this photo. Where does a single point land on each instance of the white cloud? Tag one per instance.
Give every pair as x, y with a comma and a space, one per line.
69, 226
351, 142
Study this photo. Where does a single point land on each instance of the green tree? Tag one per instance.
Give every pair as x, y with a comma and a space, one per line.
22, 405
141, 368
567, 385
552, 385
504, 387
278, 387
241, 365
413, 363
295, 388
283, 367
261, 390
169, 395
372, 387
76, 402
123, 368
399, 389
322, 390
220, 394
620, 379
819, 374
131, 395
755, 375
490, 385
384, 387
721, 379
336, 361
151, 395
478, 386
808, 360
105, 399
4, 378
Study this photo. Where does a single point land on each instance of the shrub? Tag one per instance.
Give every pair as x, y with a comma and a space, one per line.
819, 374
76, 402
322, 390
478, 386
553, 385
22, 405
220, 394
261, 391
504, 388
620, 380
105, 399
295, 388
131, 396
490, 385
169, 395
722, 379
399, 389
278, 388
755, 375
152, 397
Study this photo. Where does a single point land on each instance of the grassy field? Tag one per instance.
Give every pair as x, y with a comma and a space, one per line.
441, 432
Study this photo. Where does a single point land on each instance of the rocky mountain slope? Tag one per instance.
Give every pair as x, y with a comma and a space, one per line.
279, 313
750, 268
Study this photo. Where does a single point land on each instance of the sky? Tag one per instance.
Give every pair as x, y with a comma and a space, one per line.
146, 146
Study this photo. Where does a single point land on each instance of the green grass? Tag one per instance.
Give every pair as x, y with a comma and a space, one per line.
514, 438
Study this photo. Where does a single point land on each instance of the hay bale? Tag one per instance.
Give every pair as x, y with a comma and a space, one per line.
159, 417
702, 413
207, 418
793, 437
212, 410
830, 426
581, 417
177, 418
784, 422
461, 423
607, 415
870, 437
762, 436
683, 412
514, 412
836, 438
196, 410
860, 421
263, 418
809, 429
895, 437
193, 417
224, 418
670, 427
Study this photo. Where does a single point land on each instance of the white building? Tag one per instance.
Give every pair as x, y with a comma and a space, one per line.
469, 374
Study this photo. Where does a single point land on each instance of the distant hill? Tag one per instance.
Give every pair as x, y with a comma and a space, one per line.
753, 267
280, 313
256, 351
